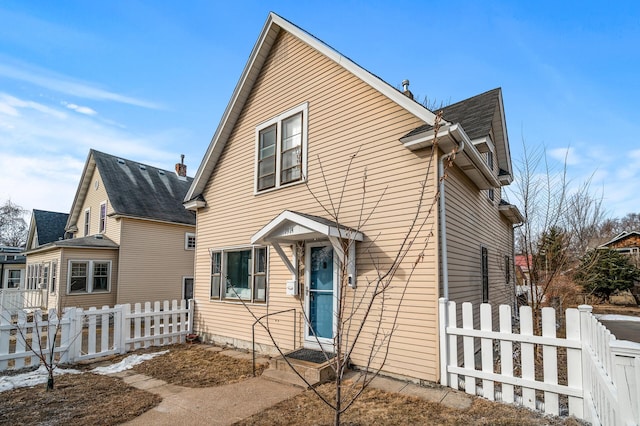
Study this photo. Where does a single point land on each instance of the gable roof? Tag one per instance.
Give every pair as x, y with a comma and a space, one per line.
272, 27
135, 190
47, 226
622, 236
478, 115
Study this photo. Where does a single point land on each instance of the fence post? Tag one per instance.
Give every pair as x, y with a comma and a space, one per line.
575, 364
122, 325
442, 325
585, 335
626, 360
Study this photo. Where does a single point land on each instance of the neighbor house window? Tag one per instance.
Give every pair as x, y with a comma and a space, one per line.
89, 276
281, 149
239, 273
45, 276
13, 279
87, 217
189, 241
54, 277
485, 275
103, 217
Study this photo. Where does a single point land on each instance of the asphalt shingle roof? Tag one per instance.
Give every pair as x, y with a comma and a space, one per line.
49, 225
144, 191
475, 114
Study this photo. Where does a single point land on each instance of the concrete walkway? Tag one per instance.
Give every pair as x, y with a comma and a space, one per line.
226, 404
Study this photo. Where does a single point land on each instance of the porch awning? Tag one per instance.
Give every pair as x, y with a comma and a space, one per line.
289, 227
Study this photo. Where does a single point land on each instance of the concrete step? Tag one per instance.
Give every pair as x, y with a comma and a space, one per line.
286, 377
314, 373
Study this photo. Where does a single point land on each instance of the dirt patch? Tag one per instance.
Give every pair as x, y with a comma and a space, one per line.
383, 408
79, 399
195, 367
633, 311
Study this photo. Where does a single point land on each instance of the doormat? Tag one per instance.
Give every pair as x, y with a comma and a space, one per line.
309, 355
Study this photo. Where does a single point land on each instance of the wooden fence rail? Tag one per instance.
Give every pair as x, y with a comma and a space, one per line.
86, 334
602, 381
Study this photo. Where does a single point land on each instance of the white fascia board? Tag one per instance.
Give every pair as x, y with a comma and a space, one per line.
512, 213
471, 152
194, 205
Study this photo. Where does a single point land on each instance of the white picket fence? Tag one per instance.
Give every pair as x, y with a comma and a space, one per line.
602, 374
92, 333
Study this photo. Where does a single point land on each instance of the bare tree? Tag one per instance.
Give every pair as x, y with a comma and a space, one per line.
13, 227
560, 218
373, 311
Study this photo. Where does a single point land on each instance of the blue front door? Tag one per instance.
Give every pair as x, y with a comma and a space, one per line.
321, 288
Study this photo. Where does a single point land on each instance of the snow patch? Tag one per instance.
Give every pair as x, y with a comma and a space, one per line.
616, 317
127, 363
32, 378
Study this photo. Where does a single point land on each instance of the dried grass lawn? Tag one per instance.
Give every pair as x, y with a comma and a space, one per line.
89, 399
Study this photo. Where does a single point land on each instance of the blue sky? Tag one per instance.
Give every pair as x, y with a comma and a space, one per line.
149, 80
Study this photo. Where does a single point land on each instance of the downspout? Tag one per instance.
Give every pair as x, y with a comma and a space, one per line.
443, 218
444, 341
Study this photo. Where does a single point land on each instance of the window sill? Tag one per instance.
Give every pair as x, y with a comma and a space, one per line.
236, 302
287, 185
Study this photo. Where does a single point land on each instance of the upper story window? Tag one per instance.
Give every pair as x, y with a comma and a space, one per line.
281, 149
490, 192
103, 216
87, 217
189, 241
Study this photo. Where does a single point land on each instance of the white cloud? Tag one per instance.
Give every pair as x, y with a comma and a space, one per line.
80, 109
10, 104
63, 84
569, 154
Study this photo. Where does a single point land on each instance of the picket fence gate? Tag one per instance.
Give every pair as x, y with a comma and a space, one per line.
602, 374
86, 334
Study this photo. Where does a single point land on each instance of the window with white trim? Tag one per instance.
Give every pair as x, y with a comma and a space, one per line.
13, 278
281, 149
103, 217
89, 276
189, 241
45, 276
490, 192
87, 217
54, 277
239, 274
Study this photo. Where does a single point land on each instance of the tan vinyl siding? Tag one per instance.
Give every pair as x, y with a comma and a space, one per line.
48, 257
474, 221
94, 198
153, 261
85, 301
345, 117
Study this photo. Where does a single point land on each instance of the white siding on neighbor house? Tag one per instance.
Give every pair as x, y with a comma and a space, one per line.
153, 260
345, 117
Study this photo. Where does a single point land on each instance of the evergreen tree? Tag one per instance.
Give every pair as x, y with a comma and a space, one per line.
603, 271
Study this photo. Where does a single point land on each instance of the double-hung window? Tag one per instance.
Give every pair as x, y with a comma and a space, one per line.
281, 150
89, 276
87, 218
485, 275
103, 217
189, 241
239, 274
54, 277
13, 279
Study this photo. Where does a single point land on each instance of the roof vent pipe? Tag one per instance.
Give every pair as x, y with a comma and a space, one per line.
405, 89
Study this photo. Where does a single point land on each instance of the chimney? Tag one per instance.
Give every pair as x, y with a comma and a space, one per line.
405, 89
181, 168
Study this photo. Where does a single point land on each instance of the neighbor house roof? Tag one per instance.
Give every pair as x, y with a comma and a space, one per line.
135, 190
49, 226
622, 236
91, 242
